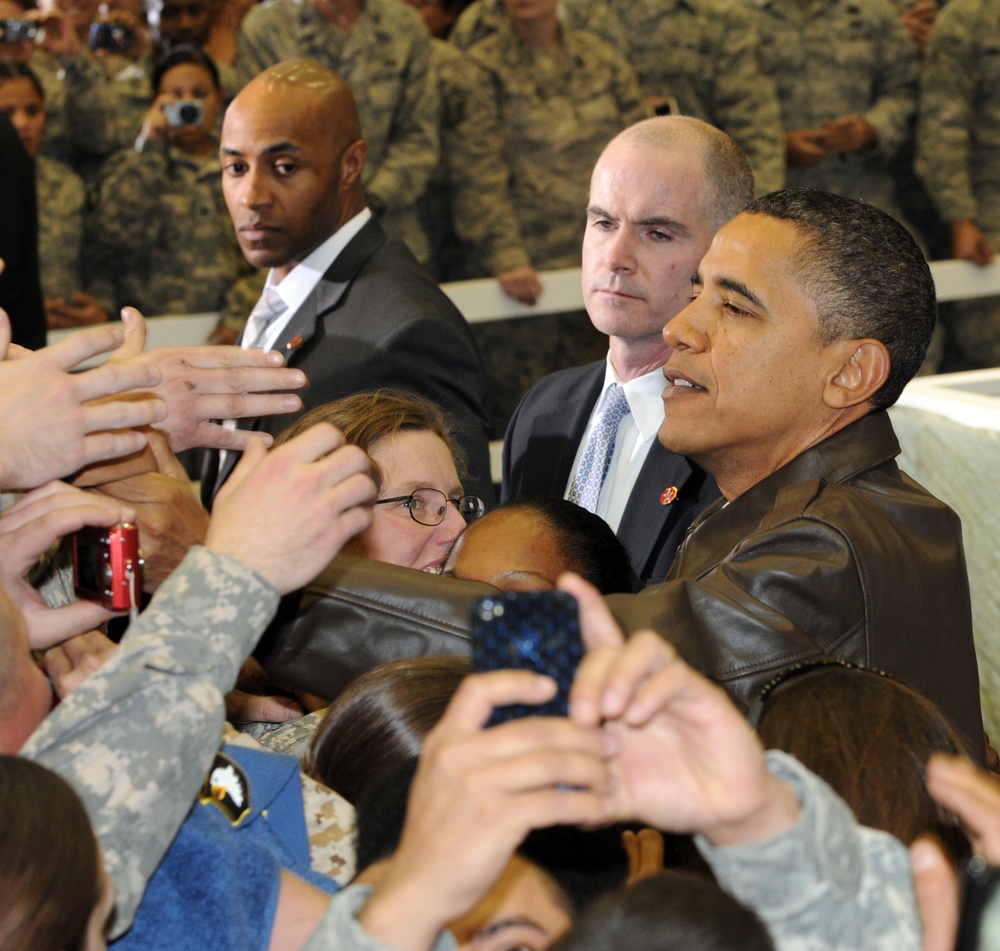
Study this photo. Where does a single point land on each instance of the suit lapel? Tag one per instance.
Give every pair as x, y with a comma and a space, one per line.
645, 516
581, 397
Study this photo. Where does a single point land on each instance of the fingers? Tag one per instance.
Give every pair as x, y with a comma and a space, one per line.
134, 342
73, 349
65, 508
49, 626
935, 886
222, 358
476, 697
166, 462
209, 435
958, 785
111, 445
244, 404
114, 378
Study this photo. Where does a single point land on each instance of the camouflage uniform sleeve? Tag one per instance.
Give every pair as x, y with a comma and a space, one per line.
894, 82
257, 43
137, 738
947, 94
340, 931
827, 884
413, 148
472, 154
745, 102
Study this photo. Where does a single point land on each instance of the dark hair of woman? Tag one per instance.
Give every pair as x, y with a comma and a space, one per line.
367, 418
381, 719
870, 737
672, 911
588, 542
50, 875
178, 56
10, 71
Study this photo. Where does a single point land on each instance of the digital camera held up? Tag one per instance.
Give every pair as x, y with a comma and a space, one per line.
18, 31
184, 112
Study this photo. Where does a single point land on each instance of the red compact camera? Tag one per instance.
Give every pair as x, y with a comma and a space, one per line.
107, 566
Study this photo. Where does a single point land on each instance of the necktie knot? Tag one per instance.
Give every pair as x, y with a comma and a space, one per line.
596, 459
265, 312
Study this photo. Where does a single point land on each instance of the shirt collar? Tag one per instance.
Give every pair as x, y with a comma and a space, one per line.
645, 398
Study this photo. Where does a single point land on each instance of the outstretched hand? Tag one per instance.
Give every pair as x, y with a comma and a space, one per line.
202, 384
286, 513
53, 422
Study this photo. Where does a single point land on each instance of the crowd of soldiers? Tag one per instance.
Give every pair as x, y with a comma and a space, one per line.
481, 137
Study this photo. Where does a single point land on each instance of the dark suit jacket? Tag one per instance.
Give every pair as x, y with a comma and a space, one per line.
376, 319
541, 444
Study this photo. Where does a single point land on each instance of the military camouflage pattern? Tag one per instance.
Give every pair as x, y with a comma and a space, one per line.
558, 110
958, 151
292, 738
385, 59
835, 58
58, 142
699, 53
470, 232
164, 235
136, 739
61, 201
959, 139
827, 884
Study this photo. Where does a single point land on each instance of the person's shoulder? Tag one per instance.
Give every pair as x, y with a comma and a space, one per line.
564, 385
964, 18
398, 18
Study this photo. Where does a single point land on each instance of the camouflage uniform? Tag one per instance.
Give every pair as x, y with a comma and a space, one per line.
165, 237
558, 110
385, 59
137, 738
61, 200
699, 53
470, 232
835, 58
959, 148
826, 884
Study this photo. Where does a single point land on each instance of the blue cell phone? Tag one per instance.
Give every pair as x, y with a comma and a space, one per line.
528, 630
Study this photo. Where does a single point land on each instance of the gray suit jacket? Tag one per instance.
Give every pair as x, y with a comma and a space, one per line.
541, 444
376, 319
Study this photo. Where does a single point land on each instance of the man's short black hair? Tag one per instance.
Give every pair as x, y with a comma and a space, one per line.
865, 274
178, 56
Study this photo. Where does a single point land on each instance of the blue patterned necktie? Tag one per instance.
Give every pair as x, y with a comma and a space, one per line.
586, 487
265, 312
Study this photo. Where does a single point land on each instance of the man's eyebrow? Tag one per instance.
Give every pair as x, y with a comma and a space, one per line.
519, 921
595, 211
267, 150
738, 287
662, 221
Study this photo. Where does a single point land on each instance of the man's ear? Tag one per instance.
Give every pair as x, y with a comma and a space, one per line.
861, 369
352, 163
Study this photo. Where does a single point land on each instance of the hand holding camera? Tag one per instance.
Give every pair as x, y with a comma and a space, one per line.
168, 113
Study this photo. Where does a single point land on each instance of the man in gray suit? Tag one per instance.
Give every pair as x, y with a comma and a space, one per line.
659, 192
345, 304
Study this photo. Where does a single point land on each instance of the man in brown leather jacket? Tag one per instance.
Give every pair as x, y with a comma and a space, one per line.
809, 314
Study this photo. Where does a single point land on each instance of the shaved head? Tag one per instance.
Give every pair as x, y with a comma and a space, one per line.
728, 178
292, 160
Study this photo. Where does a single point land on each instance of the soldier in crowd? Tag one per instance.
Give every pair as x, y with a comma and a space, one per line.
698, 59
61, 199
847, 82
160, 221
561, 94
383, 53
959, 159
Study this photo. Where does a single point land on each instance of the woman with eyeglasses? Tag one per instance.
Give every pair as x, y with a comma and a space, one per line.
417, 467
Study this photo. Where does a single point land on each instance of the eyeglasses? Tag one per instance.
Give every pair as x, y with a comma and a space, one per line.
428, 506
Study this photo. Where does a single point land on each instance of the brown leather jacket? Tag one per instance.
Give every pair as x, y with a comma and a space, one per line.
837, 553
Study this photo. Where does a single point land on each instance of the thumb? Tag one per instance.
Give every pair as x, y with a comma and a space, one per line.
253, 453
166, 462
134, 325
